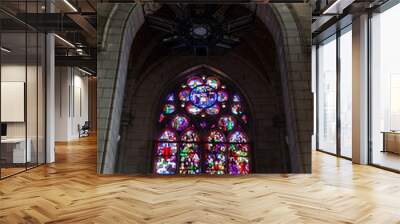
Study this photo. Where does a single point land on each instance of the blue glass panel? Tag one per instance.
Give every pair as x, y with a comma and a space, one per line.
203, 96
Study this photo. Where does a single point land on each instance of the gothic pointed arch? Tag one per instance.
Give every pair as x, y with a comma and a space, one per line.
204, 123
272, 71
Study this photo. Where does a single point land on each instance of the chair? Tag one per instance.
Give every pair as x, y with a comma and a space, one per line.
84, 130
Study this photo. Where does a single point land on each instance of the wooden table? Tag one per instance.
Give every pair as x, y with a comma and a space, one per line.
391, 141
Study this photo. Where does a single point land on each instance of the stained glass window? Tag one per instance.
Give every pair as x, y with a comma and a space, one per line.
238, 153
180, 122
227, 123
215, 153
203, 129
190, 153
169, 109
166, 153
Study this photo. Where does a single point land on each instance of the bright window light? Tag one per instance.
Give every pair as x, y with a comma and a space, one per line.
338, 6
5, 50
70, 5
64, 40
84, 71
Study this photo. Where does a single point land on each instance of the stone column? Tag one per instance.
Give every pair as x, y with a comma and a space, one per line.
50, 98
360, 90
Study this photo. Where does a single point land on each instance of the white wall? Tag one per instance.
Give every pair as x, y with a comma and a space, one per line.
62, 82
71, 102
14, 73
81, 104
17, 73
13, 99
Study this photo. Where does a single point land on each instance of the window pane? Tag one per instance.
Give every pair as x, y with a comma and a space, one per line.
314, 90
205, 126
346, 94
22, 64
327, 96
238, 159
16, 149
190, 153
166, 158
32, 97
190, 159
216, 153
215, 158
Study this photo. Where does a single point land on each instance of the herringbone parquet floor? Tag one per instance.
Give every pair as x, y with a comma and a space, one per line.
70, 191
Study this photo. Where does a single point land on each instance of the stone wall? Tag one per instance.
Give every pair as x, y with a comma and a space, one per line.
288, 25
112, 64
141, 106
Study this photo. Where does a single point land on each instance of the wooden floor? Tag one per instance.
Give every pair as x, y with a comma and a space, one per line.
70, 191
387, 159
5, 172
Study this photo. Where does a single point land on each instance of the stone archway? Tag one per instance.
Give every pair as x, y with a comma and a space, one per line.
289, 25
270, 151
285, 23
114, 42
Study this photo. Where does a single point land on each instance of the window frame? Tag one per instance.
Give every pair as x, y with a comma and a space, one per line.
380, 9
42, 38
336, 36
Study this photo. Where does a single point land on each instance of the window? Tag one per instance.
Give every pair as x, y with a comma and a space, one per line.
203, 124
314, 91
385, 89
22, 92
346, 75
334, 108
327, 95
